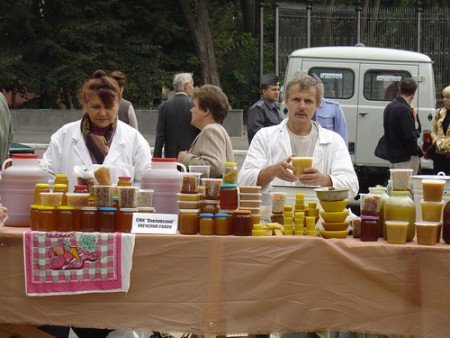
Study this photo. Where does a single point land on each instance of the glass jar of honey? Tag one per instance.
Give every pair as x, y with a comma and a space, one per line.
206, 224
242, 225
124, 181
222, 223
46, 218
400, 207
40, 187
88, 218
61, 188
125, 219
382, 193
369, 228
210, 207
80, 188
61, 178
228, 196
230, 173
188, 221
34, 216
106, 219
65, 218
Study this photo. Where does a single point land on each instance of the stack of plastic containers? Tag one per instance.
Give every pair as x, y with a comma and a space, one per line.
189, 203
429, 229
400, 206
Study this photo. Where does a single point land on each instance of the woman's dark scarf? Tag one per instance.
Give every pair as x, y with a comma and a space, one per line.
98, 145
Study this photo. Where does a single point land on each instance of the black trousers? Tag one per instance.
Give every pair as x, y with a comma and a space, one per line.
441, 163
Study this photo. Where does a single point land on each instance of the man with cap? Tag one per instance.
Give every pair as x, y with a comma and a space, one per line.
264, 113
330, 115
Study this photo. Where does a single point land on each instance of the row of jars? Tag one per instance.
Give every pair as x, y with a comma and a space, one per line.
86, 218
237, 223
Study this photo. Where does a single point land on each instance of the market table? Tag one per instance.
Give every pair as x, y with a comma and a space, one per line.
214, 285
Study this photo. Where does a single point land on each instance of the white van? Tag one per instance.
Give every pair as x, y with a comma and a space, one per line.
363, 80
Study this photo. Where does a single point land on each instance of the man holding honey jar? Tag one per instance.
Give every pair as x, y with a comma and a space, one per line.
269, 157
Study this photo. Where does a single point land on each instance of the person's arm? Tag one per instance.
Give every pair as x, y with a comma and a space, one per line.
342, 172
434, 129
257, 170
255, 121
160, 132
340, 123
279, 170
209, 149
132, 117
408, 129
141, 155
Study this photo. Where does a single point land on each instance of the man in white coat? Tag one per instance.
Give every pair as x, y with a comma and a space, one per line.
268, 158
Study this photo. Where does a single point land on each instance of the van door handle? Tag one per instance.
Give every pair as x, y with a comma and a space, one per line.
363, 114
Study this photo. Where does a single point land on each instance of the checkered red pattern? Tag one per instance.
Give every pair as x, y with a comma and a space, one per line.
99, 265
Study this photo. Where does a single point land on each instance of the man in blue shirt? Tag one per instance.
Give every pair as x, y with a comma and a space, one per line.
330, 116
264, 113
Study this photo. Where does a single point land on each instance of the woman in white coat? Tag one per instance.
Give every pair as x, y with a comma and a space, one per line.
99, 137
268, 158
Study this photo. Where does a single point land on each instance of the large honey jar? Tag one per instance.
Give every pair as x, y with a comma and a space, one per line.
400, 207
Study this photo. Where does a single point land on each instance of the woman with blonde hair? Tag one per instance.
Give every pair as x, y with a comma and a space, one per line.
440, 135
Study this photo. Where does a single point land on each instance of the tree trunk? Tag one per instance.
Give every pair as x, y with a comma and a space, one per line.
364, 21
197, 17
373, 28
249, 16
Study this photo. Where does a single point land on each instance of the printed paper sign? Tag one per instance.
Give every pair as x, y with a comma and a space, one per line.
144, 223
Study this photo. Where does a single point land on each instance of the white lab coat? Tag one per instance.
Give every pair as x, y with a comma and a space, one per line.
272, 144
129, 152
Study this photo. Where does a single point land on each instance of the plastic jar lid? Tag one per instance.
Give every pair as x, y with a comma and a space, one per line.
189, 211
65, 207
206, 215
34, 206
60, 186
129, 209
400, 192
222, 214
146, 209
369, 218
61, 175
228, 186
107, 209
210, 202
80, 187
241, 212
230, 164
45, 207
165, 159
124, 178
25, 156
42, 185
89, 208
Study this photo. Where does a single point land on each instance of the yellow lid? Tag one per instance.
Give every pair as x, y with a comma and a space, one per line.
65, 207
60, 186
61, 175
34, 206
242, 211
230, 164
45, 207
42, 185
400, 192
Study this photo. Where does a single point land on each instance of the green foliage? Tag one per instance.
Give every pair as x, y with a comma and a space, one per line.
51, 47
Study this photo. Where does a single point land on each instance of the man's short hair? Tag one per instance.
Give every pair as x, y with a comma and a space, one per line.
407, 86
180, 79
305, 82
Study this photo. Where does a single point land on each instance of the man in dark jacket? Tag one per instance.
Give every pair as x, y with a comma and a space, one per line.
400, 130
174, 131
264, 113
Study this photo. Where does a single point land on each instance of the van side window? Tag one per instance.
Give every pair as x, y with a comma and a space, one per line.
339, 83
381, 85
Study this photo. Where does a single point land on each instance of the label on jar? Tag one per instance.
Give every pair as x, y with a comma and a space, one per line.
145, 223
